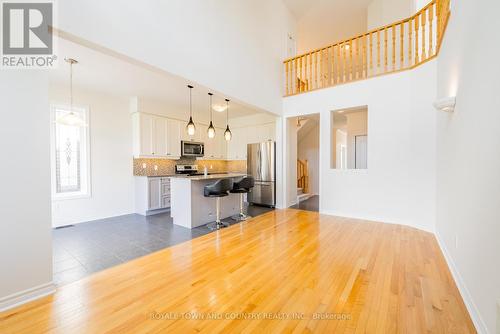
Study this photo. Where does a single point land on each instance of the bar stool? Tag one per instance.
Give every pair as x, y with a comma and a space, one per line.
242, 186
218, 189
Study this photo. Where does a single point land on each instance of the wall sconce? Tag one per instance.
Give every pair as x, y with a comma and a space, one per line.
445, 104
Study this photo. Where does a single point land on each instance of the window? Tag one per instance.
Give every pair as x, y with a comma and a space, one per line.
70, 155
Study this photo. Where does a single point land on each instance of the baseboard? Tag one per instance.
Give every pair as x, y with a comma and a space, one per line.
462, 288
25, 296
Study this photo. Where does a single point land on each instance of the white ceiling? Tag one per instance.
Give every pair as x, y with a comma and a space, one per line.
98, 71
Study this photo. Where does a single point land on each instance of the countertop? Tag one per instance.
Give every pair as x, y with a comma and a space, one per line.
208, 177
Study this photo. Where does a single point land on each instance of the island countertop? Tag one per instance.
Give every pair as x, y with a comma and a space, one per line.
208, 177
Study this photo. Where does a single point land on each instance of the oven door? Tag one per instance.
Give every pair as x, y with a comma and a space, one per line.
192, 149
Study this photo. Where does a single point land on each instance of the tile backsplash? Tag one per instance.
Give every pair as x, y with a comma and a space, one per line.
159, 167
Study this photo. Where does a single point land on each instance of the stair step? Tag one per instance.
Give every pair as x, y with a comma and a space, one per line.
303, 197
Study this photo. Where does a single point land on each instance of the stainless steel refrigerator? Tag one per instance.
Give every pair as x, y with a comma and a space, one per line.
261, 164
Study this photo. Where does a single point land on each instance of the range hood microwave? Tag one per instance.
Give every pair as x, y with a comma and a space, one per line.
192, 149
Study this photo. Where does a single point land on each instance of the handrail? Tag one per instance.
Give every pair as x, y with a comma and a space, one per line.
398, 46
302, 175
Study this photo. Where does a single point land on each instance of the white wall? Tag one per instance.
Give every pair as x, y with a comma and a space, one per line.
329, 22
468, 164
383, 12
308, 149
234, 47
290, 156
399, 184
112, 188
25, 234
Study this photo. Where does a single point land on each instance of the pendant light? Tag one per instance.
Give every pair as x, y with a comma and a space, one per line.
211, 129
227, 133
70, 118
190, 128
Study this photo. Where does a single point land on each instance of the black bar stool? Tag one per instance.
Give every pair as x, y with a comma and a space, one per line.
218, 189
242, 186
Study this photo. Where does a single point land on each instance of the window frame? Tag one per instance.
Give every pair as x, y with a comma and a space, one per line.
85, 177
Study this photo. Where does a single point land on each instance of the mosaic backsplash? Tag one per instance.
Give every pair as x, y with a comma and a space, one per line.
160, 167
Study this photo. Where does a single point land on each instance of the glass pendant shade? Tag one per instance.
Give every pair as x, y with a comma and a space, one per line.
211, 131
227, 134
190, 128
71, 119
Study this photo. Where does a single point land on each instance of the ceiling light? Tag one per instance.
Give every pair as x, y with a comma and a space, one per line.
227, 134
211, 129
190, 127
70, 118
445, 104
219, 107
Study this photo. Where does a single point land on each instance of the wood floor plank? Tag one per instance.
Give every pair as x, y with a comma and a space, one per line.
287, 271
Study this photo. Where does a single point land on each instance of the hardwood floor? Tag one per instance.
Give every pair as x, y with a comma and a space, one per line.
297, 266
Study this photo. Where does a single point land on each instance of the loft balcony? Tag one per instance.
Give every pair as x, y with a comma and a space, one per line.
399, 46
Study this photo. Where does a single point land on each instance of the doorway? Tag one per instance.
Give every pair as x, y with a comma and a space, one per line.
303, 162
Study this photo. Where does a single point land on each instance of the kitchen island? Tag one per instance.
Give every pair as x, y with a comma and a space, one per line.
189, 208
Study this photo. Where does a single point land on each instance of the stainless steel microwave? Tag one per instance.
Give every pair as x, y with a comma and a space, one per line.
192, 149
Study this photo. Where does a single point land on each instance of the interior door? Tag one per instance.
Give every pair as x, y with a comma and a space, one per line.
361, 154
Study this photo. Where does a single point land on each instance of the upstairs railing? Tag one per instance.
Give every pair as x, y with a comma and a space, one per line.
396, 47
303, 175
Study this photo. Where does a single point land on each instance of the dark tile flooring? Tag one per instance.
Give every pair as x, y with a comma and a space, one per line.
310, 204
89, 247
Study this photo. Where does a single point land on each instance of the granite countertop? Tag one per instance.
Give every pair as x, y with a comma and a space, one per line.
208, 177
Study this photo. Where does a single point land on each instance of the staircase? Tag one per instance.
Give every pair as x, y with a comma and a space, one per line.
302, 180
301, 196
399, 46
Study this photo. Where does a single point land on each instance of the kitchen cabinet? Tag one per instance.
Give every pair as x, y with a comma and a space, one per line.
152, 194
156, 136
237, 146
174, 138
215, 148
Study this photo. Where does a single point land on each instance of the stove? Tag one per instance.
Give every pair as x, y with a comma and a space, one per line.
187, 169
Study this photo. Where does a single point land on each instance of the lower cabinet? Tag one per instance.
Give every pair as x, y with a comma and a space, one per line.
152, 194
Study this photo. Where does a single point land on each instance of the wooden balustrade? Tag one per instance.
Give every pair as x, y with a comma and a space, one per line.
371, 54
303, 175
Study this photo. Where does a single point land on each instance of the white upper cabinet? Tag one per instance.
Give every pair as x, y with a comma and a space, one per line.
156, 136
159, 136
174, 138
143, 135
237, 146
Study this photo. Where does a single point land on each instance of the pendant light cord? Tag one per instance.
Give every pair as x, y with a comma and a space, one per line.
190, 103
71, 86
210, 107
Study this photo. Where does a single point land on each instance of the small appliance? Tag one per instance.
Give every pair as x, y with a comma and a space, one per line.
192, 149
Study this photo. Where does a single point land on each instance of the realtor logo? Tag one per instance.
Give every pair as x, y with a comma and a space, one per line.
27, 40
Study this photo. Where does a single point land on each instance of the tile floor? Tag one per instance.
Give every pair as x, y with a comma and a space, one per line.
89, 247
